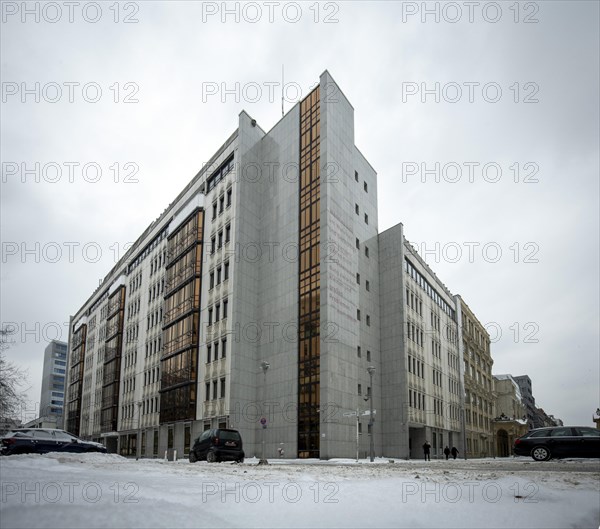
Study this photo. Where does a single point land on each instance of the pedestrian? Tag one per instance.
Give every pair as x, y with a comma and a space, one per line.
447, 452
454, 452
427, 450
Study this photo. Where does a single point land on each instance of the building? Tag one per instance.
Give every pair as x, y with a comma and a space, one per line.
525, 388
263, 293
479, 384
52, 396
511, 421
8, 424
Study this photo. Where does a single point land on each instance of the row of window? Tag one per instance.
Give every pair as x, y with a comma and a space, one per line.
357, 211
155, 318
437, 377
414, 302
221, 203
151, 376
214, 313
135, 282
358, 247
368, 318
218, 275
157, 263
215, 390
365, 185
133, 308
436, 349
150, 406
132, 333
431, 292
216, 241
130, 359
368, 393
416, 367
225, 168
359, 353
212, 351
129, 385
367, 282
153, 346
147, 250
156, 290
415, 334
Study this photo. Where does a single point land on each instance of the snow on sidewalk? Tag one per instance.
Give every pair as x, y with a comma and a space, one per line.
106, 490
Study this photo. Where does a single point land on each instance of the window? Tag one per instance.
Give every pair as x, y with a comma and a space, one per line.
211, 281
366, 219
358, 314
217, 311
224, 348
366, 251
210, 316
368, 320
365, 187
221, 204
356, 175
222, 388
358, 351
218, 275
227, 233
357, 243
208, 353
225, 305
358, 278
206, 395
368, 356
214, 211
220, 238
216, 344
368, 285
357, 209
213, 245
229, 191
226, 272
214, 389
360, 389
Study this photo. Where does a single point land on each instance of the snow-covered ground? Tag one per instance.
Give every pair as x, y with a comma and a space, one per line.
106, 490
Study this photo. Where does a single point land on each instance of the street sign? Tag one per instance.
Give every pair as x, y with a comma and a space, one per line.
350, 414
368, 412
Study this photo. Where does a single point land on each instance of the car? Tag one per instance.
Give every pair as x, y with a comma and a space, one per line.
218, 444
43, 440
558, 442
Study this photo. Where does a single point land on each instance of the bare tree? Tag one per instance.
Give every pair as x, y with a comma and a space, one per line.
13, 380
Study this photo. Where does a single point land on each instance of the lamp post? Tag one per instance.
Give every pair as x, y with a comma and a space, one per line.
371, 370
138, 444
265, 367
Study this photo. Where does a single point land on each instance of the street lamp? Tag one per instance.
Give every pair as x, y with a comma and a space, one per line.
138, 443
263, 421
371, 370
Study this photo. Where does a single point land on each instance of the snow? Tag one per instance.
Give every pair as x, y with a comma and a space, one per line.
106, 490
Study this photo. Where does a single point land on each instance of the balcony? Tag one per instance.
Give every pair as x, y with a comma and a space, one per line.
176, 312
176, 279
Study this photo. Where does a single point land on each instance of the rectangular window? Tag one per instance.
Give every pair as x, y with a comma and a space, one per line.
358, 278
221, 204
213, 245
360, 389
226, 271
218, 275
368, 320
356, 175
210, 316
358, 351
225, 305
357, 243
229, 192
366, 219
224, 348
357, 209
208, 353
214, 211
368, 356
365, 187
227, 233
207, 394
222, 388
366, 251
358, 314
220, 238
368, 286
211, 280
214, 389
217, 311
216, 344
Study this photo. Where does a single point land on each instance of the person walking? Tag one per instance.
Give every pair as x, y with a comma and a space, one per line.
427, 450
454, 452
447, 452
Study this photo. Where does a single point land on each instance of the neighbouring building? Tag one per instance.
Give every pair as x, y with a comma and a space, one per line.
511, 421
479, 384
528, 400
264, 291
52, 396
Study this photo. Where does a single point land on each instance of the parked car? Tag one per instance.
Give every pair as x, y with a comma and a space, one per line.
558, 442
43, 440
218, 445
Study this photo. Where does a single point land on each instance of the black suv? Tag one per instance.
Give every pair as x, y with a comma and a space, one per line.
43, 440
218, 445
560, 441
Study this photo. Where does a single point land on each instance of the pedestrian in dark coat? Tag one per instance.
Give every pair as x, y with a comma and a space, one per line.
427, 450
447, 452
454, 452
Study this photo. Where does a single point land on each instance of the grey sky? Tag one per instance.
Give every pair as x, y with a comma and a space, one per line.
170, 54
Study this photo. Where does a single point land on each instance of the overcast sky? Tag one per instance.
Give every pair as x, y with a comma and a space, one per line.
517, 93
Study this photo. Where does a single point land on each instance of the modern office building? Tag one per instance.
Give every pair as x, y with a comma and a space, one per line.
52, 396
479, 384
259, 297
525, 387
